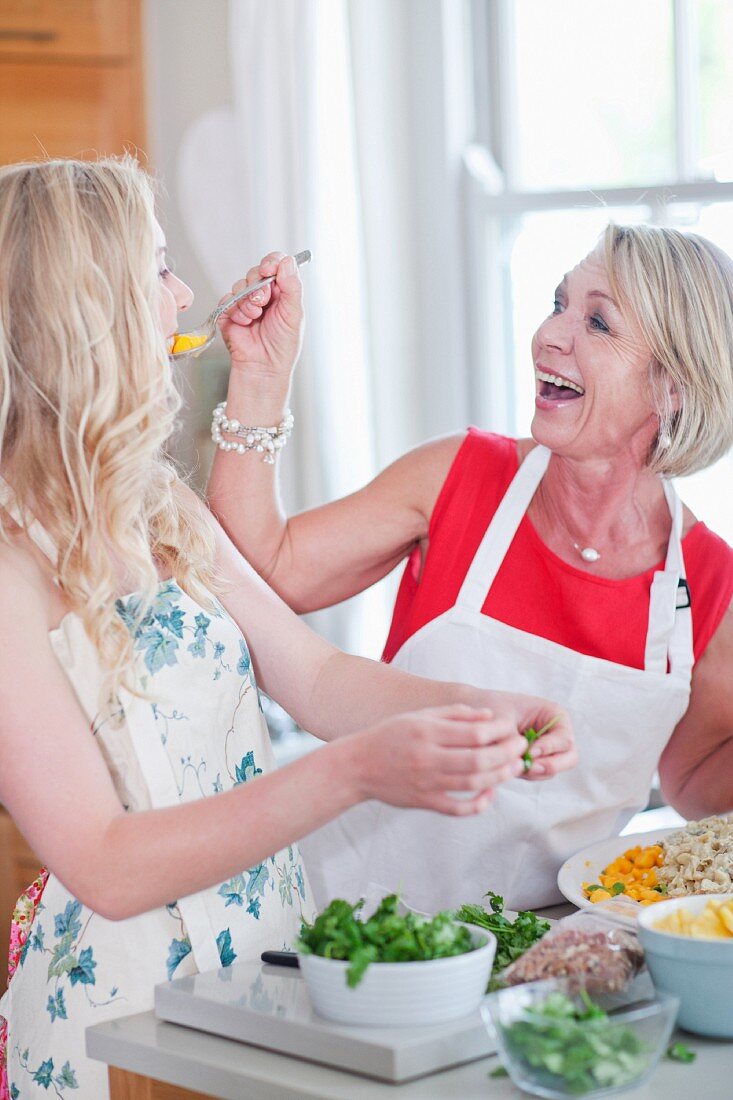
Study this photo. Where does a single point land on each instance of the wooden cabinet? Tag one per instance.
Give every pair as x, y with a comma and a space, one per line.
71, 78
19, 866
124, 1085
68, 28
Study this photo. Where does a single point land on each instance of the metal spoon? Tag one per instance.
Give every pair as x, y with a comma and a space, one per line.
208, 329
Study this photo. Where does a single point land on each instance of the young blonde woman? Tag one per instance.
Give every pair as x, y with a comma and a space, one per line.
128, 694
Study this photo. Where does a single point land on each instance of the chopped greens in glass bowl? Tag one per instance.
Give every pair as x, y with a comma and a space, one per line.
555, 1042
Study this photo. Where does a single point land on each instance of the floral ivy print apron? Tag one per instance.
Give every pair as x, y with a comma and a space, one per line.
623, 718
202, 733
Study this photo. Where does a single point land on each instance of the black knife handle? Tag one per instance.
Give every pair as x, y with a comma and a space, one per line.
280, 958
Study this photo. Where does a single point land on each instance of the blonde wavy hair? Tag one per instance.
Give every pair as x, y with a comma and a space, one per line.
678, 288
86, 395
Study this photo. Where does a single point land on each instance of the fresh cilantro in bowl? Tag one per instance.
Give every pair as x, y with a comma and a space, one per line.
339, 932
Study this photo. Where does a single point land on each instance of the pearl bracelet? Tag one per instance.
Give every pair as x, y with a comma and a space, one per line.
266, 441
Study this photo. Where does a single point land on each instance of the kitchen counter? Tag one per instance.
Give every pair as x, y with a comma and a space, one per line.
193, 1064
153, 1060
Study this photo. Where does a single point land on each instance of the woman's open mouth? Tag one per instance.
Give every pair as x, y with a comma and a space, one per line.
553, 387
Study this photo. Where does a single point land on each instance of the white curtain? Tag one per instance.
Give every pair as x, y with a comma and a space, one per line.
278, 171
343, 136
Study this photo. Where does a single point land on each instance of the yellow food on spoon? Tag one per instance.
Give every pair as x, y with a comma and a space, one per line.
714, 922
186, 341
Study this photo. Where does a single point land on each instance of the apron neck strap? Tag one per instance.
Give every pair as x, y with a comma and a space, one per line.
40, 537
669, 640
669, 643
502, 529
674, 559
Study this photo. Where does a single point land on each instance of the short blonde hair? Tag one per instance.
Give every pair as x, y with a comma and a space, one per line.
86, 395
678, 288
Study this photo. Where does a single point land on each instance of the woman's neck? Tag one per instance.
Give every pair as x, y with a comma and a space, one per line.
615, 507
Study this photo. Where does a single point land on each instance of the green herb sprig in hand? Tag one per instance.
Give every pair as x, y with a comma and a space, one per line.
387, 936
533, 735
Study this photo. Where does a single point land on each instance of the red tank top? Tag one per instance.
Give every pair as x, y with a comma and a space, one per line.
535, 590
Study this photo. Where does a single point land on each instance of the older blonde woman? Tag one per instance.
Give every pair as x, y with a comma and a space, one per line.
128, 696
563, 564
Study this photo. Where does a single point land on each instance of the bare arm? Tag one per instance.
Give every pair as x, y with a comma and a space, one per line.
331, 693
327, 554
696, 768
55, 783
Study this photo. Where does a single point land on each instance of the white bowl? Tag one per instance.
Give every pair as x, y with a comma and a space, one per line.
402, 994
698, 971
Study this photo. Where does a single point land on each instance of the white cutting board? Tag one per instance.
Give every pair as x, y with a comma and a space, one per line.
268, 1006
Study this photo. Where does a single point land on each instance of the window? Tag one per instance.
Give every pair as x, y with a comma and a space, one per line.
588, 111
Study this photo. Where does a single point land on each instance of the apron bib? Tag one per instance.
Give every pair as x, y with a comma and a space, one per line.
622, 717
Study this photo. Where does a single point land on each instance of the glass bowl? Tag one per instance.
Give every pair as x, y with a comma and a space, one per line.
558, 1056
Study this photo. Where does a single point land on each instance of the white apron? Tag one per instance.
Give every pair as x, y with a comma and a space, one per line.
623, 718
201, 731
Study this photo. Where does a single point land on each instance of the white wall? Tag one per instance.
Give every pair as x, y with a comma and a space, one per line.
187, 75
405, 54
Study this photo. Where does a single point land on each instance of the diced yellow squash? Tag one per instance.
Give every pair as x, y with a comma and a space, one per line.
186, 341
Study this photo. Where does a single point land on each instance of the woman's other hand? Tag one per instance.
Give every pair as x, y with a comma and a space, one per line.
263, 333
416, 759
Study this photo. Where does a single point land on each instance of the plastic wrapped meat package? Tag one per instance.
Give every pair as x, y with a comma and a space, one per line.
583, 947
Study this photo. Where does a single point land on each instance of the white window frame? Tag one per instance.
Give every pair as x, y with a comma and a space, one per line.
494, 203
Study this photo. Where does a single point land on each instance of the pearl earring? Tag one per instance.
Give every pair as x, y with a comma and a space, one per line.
665, 440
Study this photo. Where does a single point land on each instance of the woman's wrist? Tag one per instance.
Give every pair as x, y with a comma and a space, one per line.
257, 399
348, 762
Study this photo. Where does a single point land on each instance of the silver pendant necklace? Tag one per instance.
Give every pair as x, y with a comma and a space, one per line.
587, 553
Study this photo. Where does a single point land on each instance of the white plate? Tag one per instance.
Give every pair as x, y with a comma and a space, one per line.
587, 864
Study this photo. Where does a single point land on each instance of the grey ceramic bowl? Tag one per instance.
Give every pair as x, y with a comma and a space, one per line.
698, 971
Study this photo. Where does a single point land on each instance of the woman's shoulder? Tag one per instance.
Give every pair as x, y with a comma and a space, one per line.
495, 446
478, 450
487, 458
422, 475
709, 568
27, 593
708, 551
447, 455
448, 470
483, 465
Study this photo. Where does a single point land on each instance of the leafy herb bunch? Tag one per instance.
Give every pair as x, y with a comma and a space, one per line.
513, 938
386, 936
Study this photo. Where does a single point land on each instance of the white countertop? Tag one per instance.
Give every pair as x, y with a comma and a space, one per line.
231, 1071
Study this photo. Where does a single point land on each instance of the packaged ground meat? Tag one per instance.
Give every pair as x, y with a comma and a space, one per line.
601, 956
